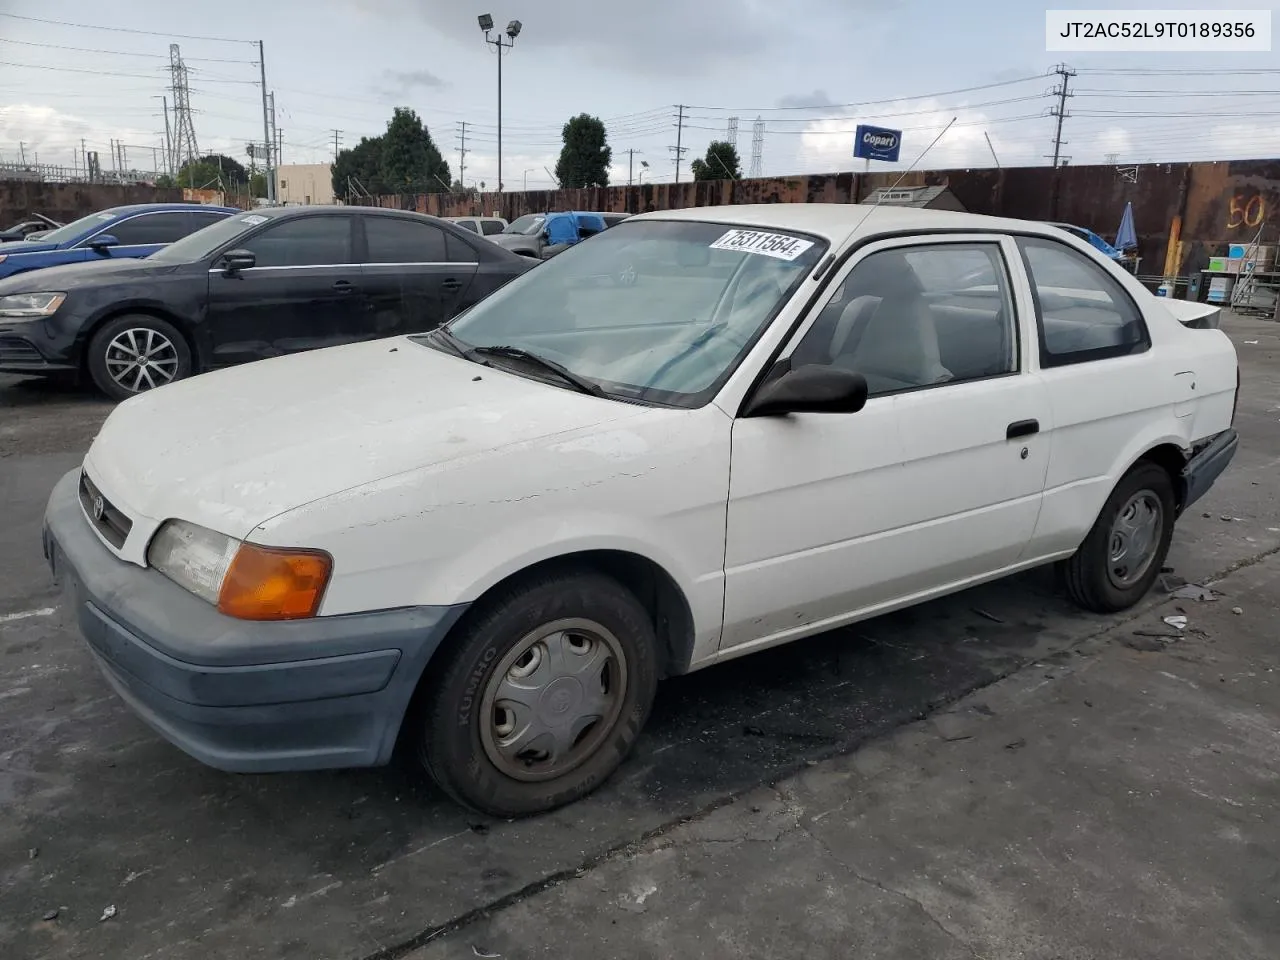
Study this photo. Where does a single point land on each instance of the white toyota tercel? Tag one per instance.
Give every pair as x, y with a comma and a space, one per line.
699, 434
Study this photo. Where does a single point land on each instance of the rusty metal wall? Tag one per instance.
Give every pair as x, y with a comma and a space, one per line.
1220, 203
70, 201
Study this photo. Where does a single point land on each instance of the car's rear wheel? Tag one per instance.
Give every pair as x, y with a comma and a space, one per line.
1121, 557
136, 353
541, 696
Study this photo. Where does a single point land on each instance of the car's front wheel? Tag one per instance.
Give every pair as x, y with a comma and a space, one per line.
132, 354
1121, 557
541, 696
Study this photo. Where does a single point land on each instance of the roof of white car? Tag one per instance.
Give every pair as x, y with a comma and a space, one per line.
840, 221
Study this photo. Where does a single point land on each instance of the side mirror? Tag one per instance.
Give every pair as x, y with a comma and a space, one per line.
236, 260
102, 241
812, 388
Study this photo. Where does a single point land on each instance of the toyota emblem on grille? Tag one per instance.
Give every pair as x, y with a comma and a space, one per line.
98, 508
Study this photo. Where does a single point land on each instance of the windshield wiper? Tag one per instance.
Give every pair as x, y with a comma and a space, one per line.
581, 384
442, 335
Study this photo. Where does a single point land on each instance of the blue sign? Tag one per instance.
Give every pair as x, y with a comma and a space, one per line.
877, 143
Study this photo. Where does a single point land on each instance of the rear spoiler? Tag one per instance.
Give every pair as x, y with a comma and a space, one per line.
1200, 316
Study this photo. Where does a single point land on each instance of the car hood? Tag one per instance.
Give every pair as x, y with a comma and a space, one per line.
69, 276
234, 448
511, 240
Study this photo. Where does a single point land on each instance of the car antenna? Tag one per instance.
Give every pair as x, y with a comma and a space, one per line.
885, 193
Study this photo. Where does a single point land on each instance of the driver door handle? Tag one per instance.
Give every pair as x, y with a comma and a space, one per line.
451, 284
1022, 428
343, 286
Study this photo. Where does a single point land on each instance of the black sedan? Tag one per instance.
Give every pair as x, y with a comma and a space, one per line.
256, 285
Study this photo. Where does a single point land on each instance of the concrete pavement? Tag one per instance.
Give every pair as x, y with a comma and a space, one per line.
357, 864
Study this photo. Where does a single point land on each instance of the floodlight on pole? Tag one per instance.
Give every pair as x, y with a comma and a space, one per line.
501, 46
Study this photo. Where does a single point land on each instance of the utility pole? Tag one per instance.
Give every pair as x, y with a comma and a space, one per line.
337, 141
462, 152
679, 148
1061, 91
86, 159
279, 147
631, 159
22, 153
266, 125
168, 139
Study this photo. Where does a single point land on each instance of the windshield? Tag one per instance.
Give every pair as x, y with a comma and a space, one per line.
658, 311
198, 245
78, 228
527, 225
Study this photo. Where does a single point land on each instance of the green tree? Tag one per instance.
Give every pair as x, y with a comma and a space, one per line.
411, 162
212, 170
720, 163
257, 184
404, 159
586, 155
164, 180
359, 167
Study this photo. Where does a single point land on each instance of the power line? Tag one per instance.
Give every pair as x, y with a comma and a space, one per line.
871, 103
119, 53
147, 33
103, 73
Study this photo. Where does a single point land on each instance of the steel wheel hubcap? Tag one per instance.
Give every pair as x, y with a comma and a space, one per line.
1135, 536
141, 359
553, 699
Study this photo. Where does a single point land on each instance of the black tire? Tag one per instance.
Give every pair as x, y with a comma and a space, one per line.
451, 746
1086, 573
177, 361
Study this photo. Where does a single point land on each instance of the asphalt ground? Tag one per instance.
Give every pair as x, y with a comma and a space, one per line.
98, 812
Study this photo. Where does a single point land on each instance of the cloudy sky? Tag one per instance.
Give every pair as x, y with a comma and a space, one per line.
810, 69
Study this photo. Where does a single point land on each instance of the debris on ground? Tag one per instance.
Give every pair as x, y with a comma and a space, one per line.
33, 853
1171, 582
750, 731
487, 954
1142, 643
987, 616
108, 913
51, 914
1238, 611
1195, 591
1252, 342
1177, 622
1016, 744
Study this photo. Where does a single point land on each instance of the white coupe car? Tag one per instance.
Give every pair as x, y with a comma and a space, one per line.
496, 538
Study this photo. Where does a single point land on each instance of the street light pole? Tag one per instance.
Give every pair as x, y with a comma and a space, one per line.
526, 180
513, 31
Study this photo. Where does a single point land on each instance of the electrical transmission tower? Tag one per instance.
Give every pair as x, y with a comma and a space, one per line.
185, 148
1061, 91
731, 132
757, 149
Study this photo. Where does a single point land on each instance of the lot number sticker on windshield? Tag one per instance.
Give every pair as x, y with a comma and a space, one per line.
776, 245
253, 219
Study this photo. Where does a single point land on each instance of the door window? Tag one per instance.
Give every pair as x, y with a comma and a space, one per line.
199, 220
399, 240
461, 252
305, 242
150, 228
1083, 313
490, 227
913, 317
467, 225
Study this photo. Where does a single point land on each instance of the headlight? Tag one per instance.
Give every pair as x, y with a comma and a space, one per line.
31, 304
243, 580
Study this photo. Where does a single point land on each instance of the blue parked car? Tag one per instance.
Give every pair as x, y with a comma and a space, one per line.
120, 232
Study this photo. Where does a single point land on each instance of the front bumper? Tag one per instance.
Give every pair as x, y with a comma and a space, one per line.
1207, 465
238, 695
21, 352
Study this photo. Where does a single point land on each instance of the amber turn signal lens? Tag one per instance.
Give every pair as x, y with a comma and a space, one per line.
269, 583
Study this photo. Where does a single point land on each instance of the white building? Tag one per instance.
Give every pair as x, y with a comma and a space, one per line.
305, 183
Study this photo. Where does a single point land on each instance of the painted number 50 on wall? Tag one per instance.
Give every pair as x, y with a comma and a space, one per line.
1246, 213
